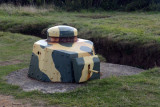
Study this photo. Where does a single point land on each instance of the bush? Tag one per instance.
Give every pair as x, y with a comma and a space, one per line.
76, 5
137, 5
155, 5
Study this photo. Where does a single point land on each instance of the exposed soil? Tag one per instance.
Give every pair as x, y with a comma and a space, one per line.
12, 62
9, 101
128, 53
118, 52
20, 78
94, 16
38, 30
125, 53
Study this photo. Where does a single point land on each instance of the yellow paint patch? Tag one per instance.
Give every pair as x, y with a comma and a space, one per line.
54, 31
49, 68
85, 72
74, 48
75, 32
46, 64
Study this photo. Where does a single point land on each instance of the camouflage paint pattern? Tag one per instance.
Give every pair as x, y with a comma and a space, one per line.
55, 61
64, 62
62, 31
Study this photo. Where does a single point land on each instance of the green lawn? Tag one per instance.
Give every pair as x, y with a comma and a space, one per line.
139, 27
136, 27
136, 90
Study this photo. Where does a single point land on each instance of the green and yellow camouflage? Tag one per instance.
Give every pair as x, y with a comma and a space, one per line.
64, 58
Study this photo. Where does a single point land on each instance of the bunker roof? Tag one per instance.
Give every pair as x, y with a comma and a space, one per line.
62, 31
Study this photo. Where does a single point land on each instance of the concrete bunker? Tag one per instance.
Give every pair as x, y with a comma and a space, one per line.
63, 57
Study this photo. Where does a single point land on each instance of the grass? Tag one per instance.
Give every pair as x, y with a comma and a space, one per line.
15, 46
26, 10
136, 90
138, 27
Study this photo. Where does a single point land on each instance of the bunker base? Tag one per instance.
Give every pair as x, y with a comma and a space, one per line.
21, 79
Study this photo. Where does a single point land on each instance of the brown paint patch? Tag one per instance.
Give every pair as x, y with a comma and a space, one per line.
61, 39
88, 72
12, 62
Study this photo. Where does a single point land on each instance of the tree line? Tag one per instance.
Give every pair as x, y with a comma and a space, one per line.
75, 5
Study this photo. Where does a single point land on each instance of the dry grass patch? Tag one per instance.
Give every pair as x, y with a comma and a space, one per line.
31, 9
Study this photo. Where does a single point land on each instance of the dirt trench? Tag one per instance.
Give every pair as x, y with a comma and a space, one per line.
121, 52
127, 53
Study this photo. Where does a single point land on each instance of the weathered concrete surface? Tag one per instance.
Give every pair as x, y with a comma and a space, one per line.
20, 78
108, 69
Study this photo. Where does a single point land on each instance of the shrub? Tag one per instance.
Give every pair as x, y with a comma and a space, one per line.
76, 5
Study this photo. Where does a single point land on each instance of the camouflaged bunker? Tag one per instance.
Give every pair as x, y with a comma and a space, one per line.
63, 57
